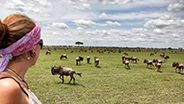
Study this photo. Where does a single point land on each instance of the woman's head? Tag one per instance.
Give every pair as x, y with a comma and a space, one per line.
18, 35
14, 27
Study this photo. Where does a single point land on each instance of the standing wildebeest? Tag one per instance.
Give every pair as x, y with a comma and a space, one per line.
64, 71
123, 57
96, 61
78, 59
148, 62
48, 52
134, 59
178, 65
88, 59
126, 62
63, 56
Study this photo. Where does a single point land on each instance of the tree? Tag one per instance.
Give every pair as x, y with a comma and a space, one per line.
79, 43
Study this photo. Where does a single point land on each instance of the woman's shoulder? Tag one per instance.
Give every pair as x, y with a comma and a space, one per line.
8, 83
10, 90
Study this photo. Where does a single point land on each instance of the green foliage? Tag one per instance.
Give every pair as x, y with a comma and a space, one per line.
110, 83
79, 43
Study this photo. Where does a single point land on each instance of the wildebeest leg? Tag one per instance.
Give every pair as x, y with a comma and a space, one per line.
76, 62
176, 70
96, 64
62, 78
128, 66
71, 77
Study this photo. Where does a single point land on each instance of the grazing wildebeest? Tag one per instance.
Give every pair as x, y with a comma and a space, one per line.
126, 53
126, 62
123, 57
96, 61
78, 59
63, 56
178, 66
151, 54
148, 62
48, 52
157, 61
134, 59
162, 55
61, 70
158, 65
166, 57
88, 59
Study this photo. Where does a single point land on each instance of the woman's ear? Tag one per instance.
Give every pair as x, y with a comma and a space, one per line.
33, 53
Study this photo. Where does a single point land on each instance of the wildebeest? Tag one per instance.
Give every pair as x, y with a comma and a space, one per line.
63, 56
166, 57
162, 55
148, 62
126, 62
134, 59
88, 59
123, 57
78, 59
126, 53
157, 61
158, 65
127, 58
96, 61
61, 70
151, 54
48, 52
178, 66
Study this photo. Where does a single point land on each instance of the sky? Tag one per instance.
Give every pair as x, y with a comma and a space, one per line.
109, 23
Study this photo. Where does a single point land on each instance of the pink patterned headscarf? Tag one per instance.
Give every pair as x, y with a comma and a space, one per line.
23, 45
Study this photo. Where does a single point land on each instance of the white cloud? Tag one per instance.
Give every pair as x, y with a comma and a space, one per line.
119, 2
103, 15
16, 4
45, 3
165, 22
85, 23
139, 30
113, 23
176, 7
76, 4
26, 6
60, 25
80, 29
158, 31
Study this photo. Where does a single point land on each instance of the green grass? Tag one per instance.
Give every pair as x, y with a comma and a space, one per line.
109, 83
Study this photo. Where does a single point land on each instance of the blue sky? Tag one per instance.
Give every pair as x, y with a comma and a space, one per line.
119, 23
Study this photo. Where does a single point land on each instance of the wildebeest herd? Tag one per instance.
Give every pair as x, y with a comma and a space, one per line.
126, 60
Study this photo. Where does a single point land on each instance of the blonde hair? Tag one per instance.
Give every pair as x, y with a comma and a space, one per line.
14, 27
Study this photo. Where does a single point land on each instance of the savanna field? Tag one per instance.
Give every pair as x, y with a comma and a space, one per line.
110, 82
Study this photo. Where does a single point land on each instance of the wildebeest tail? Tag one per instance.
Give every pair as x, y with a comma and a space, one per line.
79, 74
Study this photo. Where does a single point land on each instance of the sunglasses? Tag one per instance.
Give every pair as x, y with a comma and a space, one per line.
41, 43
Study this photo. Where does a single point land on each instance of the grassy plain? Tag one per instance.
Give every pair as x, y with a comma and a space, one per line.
110, 83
